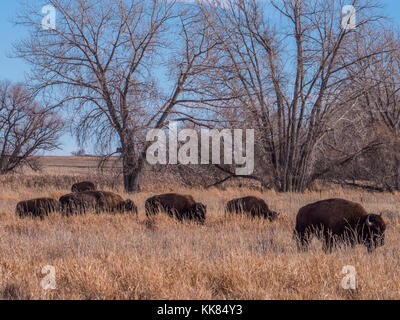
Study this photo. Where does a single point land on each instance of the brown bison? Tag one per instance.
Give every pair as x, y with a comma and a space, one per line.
83, 186
253, 206
97, 201
78, 203
338, 220
37, 207
180, 206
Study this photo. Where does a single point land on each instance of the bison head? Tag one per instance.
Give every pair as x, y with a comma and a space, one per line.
199, 212
272, 215
374, 231
129, 206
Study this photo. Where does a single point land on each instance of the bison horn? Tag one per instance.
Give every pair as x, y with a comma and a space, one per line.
369, 223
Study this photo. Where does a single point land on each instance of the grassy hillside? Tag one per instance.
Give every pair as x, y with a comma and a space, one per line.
126, 257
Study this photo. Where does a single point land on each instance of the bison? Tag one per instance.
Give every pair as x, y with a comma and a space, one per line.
97, 201
83, 186
339, 221
109, 201
180, 206
253, 206
74, 203
37, 207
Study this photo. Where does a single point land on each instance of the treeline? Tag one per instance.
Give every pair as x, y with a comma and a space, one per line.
321, 93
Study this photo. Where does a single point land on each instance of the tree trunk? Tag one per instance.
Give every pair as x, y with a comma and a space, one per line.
397, 175
297, 179
131, 183
132, 167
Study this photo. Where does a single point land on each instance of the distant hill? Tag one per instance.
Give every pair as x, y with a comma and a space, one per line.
78, 165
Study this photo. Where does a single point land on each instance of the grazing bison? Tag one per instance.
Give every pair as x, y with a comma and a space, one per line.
180, 206
98, 201
341, 221
253, 206
37, 207
109, 201
83, 186
78, 203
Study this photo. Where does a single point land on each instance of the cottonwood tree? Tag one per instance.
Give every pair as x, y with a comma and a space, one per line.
126, 66
287, 61
26, 127
378, 85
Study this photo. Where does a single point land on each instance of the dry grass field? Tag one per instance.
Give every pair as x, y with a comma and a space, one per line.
125, 257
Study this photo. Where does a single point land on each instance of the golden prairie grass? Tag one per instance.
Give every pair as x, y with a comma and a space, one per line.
127, 257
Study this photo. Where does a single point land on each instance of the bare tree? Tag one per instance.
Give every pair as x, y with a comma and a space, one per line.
292, 79
26, 127
126, 65
378, 85
79, 153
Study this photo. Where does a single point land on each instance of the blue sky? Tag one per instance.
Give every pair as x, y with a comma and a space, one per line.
14, 69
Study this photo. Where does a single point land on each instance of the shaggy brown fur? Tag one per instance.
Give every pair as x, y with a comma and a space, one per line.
339, 220
253, 206
180, 206
37, 207
98, 201
83, 186
78, 203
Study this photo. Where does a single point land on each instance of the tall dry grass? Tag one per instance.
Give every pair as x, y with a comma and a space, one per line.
126, 257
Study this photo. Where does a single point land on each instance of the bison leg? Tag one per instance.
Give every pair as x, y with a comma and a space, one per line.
370, 248
351, 241
69, 209
170, 212
302, 240
328, 242
152, 208
149, 211
42, 215
178, 215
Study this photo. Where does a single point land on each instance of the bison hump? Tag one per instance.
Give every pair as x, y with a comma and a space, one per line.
330, 212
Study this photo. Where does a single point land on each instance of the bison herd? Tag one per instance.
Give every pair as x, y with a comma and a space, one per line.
334, 221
